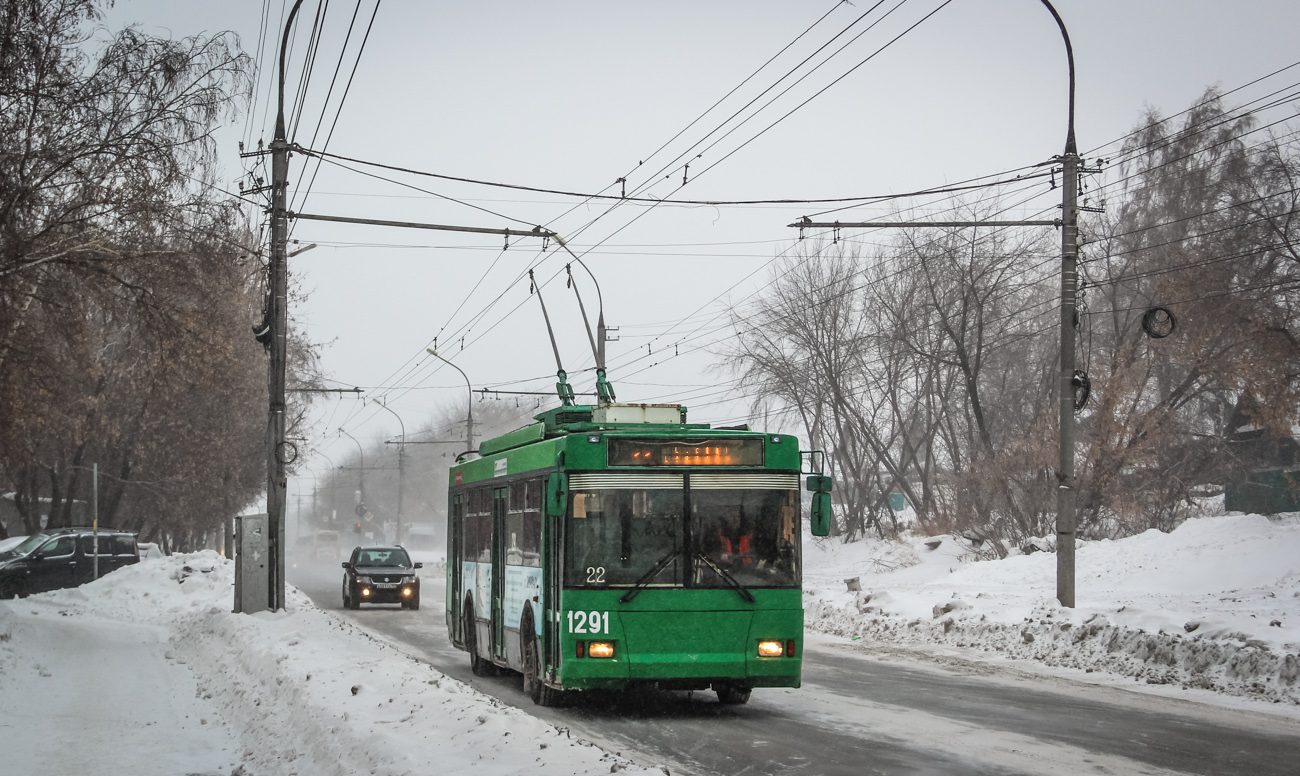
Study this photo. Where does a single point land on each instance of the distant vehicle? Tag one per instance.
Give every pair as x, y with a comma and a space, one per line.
150, 550
325, 545
423, 536
64, 558
380, 575
8, 544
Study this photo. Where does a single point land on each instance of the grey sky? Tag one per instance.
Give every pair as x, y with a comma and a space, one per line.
572, 96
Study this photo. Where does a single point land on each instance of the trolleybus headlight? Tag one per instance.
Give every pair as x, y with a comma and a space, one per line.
600, 649
770, 649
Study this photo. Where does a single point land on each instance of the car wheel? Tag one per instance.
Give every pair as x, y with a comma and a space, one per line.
413, 602
478, 665
731, 694
13, 588
352, 601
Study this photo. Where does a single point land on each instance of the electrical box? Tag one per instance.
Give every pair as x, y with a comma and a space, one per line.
252, 564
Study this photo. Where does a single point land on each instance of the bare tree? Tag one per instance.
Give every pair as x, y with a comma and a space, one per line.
1206, 230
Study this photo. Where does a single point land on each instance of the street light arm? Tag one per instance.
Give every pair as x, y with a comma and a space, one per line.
1070, 147
469, 417
394, 414
361, 474
401, 471
284, 47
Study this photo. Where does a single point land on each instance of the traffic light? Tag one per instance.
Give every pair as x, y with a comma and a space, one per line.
356, 528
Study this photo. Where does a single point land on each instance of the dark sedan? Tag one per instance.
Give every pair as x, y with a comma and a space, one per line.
380, 575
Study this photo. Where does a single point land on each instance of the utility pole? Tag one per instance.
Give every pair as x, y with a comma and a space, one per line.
278, 317
1065, 492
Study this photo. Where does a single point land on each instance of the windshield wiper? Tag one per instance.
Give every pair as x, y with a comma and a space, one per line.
730, 580
649, 575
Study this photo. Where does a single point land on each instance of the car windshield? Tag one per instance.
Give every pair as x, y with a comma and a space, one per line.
392, 556
618, 536
31, 543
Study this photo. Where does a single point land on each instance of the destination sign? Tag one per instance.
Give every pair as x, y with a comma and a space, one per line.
672, 452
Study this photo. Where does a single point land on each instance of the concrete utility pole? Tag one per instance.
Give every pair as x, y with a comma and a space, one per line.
278, 318
1065, 494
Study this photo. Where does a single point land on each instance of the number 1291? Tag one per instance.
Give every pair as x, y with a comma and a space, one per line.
589, 622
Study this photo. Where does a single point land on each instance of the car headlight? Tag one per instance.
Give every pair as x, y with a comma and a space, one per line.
363, 580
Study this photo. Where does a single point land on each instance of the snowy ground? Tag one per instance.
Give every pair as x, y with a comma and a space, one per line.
149, 663
1214, 605
148, 673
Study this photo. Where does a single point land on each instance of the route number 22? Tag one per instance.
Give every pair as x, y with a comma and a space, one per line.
589, 622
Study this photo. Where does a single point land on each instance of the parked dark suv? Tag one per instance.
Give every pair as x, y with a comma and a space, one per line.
380, 575
63, 558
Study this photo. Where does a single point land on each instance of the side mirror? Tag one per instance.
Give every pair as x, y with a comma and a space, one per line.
820, 483
38, 556
557, 494
419, 565
821, 514
347, 565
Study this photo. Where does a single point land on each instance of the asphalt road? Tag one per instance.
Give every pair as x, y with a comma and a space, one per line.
860, 714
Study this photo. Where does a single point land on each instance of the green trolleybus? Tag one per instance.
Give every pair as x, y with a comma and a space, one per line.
611, 546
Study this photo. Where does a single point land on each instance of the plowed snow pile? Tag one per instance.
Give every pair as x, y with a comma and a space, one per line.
149, 664
1215, 604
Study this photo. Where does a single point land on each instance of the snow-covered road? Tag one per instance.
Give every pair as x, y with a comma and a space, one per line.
149, 666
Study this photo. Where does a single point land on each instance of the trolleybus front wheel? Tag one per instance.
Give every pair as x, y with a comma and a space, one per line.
479, 666
731, 693
534, 686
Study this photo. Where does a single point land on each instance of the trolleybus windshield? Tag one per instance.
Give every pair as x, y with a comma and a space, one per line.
616, 536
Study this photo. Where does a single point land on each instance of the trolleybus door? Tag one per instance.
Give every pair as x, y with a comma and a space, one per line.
551, 568
455, 545
555, 508
500, 503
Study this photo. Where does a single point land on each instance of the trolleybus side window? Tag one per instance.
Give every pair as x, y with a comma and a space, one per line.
524, 524
478, 526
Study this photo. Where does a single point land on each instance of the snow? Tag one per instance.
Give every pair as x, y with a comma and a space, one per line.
150, 663
1213, 605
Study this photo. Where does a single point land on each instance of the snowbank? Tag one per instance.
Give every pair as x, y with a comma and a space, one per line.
1213, 605
297, 692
